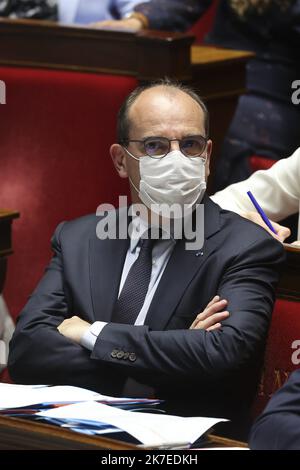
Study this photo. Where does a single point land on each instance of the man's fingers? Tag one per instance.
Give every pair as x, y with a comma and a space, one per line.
217, 326
213, 301
214, 308
210, 321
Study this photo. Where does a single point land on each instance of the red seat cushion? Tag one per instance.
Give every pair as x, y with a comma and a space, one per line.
55, 133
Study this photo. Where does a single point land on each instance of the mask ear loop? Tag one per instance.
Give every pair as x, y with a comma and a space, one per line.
129, 153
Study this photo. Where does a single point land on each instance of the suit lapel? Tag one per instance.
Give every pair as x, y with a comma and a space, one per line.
181, 268
106, 260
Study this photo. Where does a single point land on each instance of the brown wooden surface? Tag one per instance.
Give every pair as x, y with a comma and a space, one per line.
289, 285
217, 441
146, 55
19, 434
6, 218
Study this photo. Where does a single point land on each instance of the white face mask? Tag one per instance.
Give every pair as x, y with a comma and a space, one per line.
173, 179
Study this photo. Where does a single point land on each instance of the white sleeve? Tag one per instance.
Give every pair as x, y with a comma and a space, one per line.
126, 7
277, 190
6, 331
90, 336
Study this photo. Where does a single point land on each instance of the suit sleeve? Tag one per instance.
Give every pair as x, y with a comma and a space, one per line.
276, 189
173, 15
38, 352
278, 428
248, 285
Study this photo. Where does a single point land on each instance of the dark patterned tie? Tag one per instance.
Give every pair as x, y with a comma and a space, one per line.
133, 294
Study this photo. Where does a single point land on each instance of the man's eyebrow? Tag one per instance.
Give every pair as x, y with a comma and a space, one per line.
190, 134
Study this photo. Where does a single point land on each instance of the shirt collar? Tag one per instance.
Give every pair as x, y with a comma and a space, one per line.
138, 227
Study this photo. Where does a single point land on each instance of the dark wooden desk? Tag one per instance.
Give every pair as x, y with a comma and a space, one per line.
6, 218
289, 285
17, 434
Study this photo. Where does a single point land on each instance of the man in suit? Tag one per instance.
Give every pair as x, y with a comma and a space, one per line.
278, 428
103, 319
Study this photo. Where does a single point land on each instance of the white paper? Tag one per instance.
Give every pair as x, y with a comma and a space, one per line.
150, 429
14, 396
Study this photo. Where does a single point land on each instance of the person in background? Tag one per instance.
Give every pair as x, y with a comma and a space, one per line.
29, 9
278, 427
68, 11
266, 121
89, 11
277, 191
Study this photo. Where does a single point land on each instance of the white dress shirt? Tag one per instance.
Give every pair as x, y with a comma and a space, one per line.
89, 11
277, 190
160, 256
6, 331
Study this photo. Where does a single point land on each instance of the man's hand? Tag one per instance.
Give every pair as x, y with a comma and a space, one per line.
73, 328
133, 24
211, 317
282, 232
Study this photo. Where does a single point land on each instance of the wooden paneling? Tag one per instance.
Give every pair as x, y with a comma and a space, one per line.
146, 55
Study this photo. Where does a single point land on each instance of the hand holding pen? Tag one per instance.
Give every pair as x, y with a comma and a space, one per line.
259, 217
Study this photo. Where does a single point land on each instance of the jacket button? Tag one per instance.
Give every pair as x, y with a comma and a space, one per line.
132, 357
126, 355
114, 353
120, 354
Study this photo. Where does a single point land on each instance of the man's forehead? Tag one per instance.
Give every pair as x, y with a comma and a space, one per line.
162, 93
162, 98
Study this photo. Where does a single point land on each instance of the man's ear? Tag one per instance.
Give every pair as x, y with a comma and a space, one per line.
118, 156
208, 154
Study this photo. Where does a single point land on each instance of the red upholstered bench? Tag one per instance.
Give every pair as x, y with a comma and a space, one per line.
55, 133
282, 354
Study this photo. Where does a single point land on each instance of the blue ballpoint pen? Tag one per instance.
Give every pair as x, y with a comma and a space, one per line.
261, 212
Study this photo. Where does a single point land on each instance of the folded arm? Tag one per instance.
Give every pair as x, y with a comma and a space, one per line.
248, 285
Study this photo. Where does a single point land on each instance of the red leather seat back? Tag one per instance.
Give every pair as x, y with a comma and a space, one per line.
204, 24
282, 352
260, 163
55, 133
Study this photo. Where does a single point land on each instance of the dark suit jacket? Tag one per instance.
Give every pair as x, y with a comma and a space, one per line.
278, 428
214, 371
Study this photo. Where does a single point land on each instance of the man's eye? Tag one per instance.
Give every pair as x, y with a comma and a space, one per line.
188, 143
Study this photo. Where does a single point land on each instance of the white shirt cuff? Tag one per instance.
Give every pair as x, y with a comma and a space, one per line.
89, 338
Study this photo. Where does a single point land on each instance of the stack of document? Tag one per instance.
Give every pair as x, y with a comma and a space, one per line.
88, 412
15, 396
152, 430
